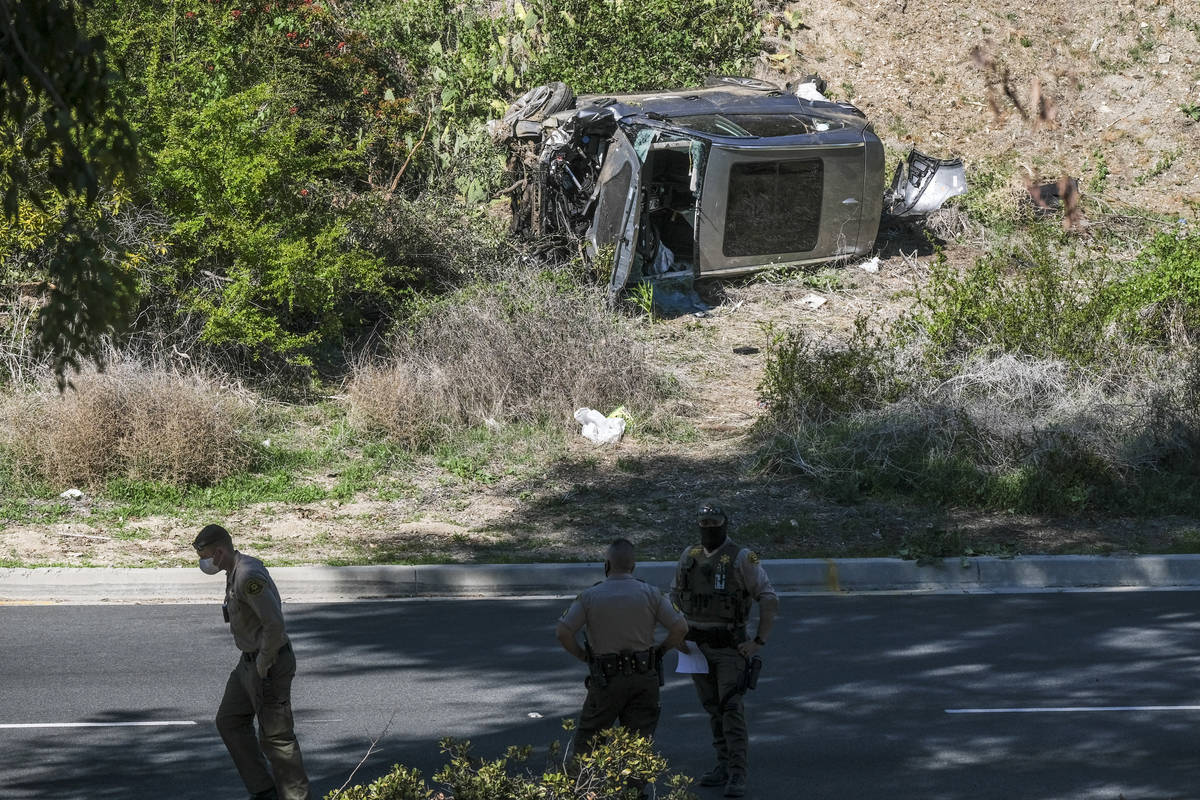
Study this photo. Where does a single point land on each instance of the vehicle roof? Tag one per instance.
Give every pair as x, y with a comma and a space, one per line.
725, 99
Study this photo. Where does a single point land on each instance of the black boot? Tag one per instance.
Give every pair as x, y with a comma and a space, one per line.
717, 776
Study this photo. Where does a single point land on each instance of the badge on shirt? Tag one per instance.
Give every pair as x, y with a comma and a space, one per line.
254, 587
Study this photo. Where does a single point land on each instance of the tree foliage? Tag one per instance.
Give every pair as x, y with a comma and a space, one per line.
288, 149
65, 140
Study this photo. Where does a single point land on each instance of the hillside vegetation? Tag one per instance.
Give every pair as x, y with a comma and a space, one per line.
337, 349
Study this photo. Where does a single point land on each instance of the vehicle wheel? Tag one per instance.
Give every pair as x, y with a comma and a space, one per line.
734, 80
539, 103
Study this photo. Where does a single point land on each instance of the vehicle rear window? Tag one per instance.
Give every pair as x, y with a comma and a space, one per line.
774, 207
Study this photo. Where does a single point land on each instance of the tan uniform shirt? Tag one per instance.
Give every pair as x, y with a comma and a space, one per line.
620, 613
754, 578
255, 609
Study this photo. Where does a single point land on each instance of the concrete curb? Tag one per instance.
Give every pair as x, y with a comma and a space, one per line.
803, 576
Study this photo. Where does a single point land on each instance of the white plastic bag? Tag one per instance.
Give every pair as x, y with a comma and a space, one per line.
664, 260
599, 428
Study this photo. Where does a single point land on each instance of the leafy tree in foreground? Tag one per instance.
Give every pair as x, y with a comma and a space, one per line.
63, 137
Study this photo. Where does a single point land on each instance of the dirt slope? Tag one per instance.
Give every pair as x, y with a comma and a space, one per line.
1114, 75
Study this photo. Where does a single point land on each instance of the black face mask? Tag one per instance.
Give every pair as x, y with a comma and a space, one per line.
712, 537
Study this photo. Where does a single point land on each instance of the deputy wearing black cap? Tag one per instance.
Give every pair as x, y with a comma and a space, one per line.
716, 584
261, 683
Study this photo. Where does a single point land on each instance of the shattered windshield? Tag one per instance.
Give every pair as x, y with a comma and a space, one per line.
754, 126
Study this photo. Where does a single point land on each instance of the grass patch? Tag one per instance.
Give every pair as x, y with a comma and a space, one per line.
1184, 542
134, 498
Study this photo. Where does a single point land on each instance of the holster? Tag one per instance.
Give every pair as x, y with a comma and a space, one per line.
747, 679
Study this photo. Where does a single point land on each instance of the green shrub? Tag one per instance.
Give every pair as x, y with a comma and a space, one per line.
613, 46
402, 783
619, 764
1033, 380
1032, 299
1160, 300
818, 381
262, 128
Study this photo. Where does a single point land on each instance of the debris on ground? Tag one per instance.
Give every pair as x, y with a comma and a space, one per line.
598, 428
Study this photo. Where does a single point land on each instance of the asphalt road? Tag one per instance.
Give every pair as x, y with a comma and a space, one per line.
852, 704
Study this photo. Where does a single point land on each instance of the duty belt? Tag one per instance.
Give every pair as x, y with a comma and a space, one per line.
254, 655
627, 662
717, 637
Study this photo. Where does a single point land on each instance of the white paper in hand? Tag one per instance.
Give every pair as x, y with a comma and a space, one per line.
693, 661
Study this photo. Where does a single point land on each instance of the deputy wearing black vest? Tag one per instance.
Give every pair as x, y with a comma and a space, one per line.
716, 585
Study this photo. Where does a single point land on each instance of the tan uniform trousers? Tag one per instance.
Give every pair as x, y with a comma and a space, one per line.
729, 736
270, 699
632, 699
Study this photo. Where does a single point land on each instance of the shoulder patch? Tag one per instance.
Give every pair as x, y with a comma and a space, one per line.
696, 551
254, 586
753, 556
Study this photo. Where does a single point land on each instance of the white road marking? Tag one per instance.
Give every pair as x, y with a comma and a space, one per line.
1066, 709
95, 724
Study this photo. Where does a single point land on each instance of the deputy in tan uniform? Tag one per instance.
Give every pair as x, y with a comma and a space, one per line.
716, 585
261, 683
620, 615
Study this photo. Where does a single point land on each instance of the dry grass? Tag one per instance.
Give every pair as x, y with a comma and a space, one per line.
525, 350
129, 421
1129, 417
1007, 413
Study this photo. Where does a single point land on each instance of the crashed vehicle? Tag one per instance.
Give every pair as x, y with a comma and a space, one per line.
731, 177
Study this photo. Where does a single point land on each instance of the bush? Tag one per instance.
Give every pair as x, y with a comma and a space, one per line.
1030, 299
820, 381
1160, 301
524, 348
1038, 379
606, 46
131, 422
262, 128
1013, 433
620, 763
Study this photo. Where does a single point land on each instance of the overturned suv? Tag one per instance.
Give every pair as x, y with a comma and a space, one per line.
719, 180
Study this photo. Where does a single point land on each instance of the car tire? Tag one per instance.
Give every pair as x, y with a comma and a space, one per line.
539, 103
734, 80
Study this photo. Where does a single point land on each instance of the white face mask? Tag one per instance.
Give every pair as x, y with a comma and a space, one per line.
208, 567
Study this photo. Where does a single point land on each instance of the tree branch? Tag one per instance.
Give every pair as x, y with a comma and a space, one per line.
7, 15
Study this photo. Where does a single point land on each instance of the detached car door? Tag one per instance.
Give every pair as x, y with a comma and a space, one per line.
618, 210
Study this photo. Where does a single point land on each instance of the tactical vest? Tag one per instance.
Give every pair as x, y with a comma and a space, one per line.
710, 589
